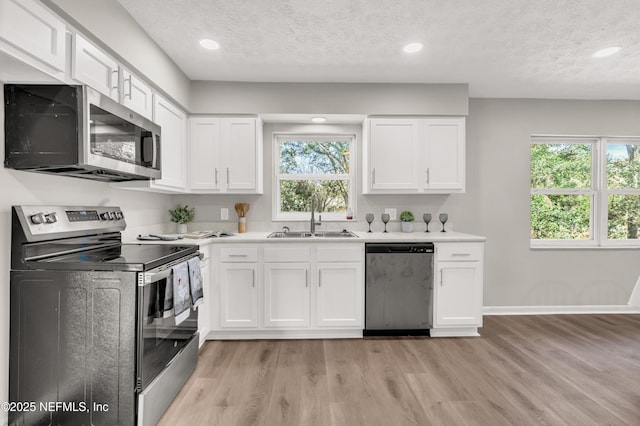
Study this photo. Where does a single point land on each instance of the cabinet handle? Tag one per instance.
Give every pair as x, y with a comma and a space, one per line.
117, 83
460, 254
227, 176
128, 80
306, 277
253, 277
428, 177
441, 270
320, 278
216, 176
373, 176
237, 255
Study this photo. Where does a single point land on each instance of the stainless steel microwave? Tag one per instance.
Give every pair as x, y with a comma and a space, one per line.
76, 131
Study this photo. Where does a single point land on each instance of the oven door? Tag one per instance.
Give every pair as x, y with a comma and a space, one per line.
160, 338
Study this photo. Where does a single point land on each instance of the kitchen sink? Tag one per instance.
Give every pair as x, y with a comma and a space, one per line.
325, 234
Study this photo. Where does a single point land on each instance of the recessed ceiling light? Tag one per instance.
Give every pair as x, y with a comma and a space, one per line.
209, 44
608, 51
318, 119
413, 47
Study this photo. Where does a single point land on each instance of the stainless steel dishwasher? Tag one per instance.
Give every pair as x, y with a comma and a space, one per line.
399, 288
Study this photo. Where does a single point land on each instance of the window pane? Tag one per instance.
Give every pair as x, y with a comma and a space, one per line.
560, 165
309, 157
295, 195
560, 217
624, 217
623, 166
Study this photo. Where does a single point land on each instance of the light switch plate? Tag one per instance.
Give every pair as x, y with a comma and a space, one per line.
392, 213
224, 213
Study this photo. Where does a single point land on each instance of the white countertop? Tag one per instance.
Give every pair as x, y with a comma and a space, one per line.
363, 237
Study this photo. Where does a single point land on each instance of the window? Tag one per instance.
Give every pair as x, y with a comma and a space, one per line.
584, 191
305, 164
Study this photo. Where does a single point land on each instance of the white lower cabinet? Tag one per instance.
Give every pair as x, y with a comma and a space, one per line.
238, 295
286, 294
340, 286
289, 290
339, 295
458, 289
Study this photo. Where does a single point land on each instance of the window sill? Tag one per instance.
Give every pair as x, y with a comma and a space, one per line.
593, 246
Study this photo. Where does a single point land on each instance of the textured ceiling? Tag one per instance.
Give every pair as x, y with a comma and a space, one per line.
501, 48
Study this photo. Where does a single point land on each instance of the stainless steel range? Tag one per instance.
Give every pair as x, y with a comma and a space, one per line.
93, 337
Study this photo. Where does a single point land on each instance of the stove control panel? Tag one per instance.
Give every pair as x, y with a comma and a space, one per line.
38, 221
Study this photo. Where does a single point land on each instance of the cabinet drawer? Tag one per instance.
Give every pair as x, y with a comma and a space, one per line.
239, 254
340, 253
293, 253
459, 252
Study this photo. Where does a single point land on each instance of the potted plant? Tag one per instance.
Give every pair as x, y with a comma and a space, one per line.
182, 215
406, 219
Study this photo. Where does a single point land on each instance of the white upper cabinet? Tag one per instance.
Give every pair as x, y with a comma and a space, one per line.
393, 154
91, 66
204, 149
136, 95
443, 158
226, 155
414, 155
33, 35
173, 137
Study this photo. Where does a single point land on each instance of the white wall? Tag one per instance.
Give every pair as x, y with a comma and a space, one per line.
498, 135
328, 98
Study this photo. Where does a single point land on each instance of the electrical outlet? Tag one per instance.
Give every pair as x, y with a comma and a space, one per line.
224, 213
392, 213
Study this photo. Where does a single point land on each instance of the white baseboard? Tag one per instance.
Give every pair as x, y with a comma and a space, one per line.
554, 310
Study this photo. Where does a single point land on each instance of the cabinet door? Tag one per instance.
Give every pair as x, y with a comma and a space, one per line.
204, 147
239, 153
286, 295
393, 155
238, 295
136, 95
340, 295
33, 30
444, 154
173, 124
458, 294
93, 67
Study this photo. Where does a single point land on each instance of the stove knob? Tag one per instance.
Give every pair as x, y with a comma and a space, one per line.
37, 218
121, 215
118, 215
112, 215
104, 216
50, 218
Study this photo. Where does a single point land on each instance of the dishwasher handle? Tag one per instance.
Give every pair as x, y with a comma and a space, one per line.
409, 248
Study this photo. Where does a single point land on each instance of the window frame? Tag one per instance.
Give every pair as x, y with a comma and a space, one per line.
277, 214
599, 211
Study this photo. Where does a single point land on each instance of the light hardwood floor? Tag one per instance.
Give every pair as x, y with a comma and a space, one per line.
524, 370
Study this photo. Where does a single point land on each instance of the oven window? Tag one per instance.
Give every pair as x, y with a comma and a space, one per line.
161, 338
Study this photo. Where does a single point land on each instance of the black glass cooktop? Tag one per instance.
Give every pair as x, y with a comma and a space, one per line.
124, 257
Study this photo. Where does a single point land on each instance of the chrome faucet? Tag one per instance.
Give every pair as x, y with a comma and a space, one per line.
315, 197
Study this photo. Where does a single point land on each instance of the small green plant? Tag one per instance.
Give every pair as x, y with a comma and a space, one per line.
406, 216
182, 214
